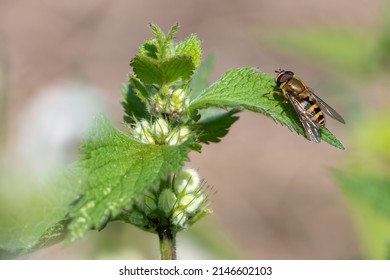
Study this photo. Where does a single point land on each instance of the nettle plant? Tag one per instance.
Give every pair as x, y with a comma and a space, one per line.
137, 176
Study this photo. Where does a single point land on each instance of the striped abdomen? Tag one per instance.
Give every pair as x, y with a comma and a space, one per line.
313, 111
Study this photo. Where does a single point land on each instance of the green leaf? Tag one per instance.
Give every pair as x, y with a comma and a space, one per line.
118, 169
240, 87
247, 88
172, 32
161, 47
33, 213
201, 78
149, 49
190, 47
133, 105
328, 137
164, 44
158, 33
150, 71
52, 235
215, 123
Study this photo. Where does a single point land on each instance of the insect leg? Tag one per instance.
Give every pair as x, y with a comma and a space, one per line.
280, 103
272, 92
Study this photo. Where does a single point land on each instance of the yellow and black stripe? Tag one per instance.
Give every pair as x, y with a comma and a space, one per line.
313, 111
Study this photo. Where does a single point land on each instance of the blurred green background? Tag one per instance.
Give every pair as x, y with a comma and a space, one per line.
275, 195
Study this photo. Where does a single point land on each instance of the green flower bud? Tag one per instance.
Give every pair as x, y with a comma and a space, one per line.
160, 130
165, 91
166, 201
142, 132
179, 219
179, 95
178, 202
149, 203
170, 102
158, 104
146, 137
137, 218
192, 202
179, 100
178, 136
186, 200
187, 181
141, 126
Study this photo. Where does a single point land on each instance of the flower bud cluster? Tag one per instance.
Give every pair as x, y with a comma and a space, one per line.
170, 102
159, 132
179, 205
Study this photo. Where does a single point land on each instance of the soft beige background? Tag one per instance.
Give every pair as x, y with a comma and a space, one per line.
275, 198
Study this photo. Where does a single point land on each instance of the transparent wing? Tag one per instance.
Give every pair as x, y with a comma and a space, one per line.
311, 129
326, 108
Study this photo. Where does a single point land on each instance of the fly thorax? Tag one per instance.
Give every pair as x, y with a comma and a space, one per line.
296, 86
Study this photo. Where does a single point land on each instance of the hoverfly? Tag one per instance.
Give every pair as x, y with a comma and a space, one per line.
309, 107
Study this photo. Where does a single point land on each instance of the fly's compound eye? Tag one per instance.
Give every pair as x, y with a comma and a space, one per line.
283, 77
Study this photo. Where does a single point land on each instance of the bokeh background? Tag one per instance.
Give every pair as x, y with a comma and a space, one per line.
277, 196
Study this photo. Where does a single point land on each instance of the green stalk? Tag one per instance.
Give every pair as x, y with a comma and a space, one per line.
167, 243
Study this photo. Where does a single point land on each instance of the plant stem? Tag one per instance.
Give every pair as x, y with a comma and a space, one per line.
167, 243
